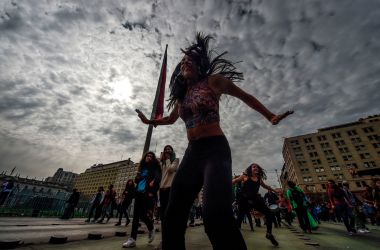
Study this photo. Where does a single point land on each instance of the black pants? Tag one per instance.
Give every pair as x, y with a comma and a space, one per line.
207, 163
92, 209
258, 203
143, 204
164, 199
123, 209
301, 212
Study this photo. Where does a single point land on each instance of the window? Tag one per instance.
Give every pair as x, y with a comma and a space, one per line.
344, 150
307, 140
304, 170
368, 130
297, 149
351, 132
331, 159
370, 164
299, 156
325, 145
313, 154
365, 156
335, 168
307, 179
310, 188
358, 184
316, 161
352, 165
373, 137
347, 157
321, 138
338, 176
376, 145
340, 143
322, 177
336, 135
310, 147
294, 142
320, 169
328, 152
360, 148
356, 140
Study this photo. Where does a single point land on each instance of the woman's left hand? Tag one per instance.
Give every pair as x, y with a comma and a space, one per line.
277, 118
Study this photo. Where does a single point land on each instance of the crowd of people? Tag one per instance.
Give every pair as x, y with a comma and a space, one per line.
196, 86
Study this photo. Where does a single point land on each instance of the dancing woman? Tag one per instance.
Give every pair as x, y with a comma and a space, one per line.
251, 180
196, 87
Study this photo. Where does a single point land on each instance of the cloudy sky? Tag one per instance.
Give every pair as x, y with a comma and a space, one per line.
72, 73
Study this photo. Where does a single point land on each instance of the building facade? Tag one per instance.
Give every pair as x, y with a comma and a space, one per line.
347, 152
63, 177
116, 173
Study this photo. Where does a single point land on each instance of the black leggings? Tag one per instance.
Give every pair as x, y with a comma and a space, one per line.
143, 204
245, 206
207, 163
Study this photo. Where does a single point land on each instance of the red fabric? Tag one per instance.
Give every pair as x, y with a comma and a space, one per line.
161, 96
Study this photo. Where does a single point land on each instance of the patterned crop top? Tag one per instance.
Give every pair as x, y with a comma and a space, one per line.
200, 105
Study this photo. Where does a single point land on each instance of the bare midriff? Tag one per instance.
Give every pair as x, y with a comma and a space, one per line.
202, 131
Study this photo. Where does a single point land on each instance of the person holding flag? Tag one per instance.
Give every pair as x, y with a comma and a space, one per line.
195, 90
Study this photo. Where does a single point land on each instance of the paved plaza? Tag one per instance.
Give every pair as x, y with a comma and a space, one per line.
36, 232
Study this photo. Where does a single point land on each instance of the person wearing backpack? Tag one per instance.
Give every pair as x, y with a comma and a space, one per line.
297, 199
339, 202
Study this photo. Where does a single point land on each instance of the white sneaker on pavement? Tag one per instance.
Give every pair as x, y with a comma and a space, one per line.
152, 233
129, 243
362, 231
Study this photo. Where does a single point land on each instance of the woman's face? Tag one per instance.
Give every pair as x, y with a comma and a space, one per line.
255, 169
168, 150
189, 68
149, 158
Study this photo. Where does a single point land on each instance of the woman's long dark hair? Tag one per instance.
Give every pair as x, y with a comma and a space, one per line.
202, 55
143, 163
262, 173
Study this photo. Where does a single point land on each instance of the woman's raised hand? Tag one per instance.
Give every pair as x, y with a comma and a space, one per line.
277, 118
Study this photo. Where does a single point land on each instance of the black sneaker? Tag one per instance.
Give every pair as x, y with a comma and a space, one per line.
272, 239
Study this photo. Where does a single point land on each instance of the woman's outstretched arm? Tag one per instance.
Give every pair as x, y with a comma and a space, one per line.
172, 118
225, 86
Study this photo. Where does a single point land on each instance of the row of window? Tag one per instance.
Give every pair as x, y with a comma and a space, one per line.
338, 136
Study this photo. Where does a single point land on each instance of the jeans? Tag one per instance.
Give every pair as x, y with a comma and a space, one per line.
207, 163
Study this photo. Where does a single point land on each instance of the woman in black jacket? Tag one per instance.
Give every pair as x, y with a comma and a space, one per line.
147, 181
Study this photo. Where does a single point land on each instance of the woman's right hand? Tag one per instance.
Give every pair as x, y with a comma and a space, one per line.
142, 117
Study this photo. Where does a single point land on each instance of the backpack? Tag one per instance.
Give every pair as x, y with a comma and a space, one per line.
338, 193
298, 196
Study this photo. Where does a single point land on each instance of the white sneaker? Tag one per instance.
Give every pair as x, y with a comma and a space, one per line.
152, 233
130, 243
366, 231
362, 231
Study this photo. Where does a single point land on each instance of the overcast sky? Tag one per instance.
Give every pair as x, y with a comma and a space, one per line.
73, 72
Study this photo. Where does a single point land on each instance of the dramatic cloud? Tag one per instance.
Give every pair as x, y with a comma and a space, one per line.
73, 72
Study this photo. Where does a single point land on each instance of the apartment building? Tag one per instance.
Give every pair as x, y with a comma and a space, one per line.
349, 152
116, 173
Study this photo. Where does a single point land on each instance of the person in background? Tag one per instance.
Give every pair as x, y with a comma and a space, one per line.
127, 197
338, 201
109, 199
299, 204
271, 199
147, 181
95, 203
376, 197
71, 203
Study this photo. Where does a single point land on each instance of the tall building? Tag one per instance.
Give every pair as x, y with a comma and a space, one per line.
116, 173
349, 152
65, 178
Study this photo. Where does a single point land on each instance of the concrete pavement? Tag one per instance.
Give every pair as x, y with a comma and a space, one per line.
36, 232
